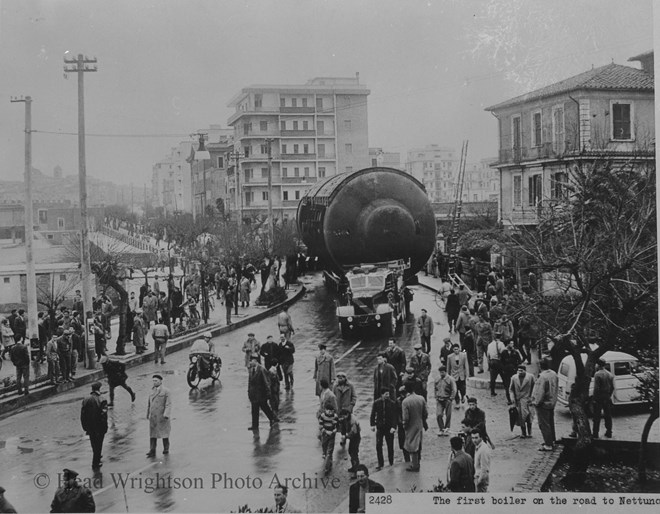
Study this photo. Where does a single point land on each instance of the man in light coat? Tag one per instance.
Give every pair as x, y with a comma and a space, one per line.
544, 398
414, 415
457, 367
425, 324
159, 410
521, 387
481, 462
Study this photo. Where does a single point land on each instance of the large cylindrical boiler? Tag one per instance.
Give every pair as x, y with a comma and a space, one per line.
371, 215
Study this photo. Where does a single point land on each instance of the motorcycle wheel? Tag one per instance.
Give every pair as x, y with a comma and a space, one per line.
215, 373
193, 377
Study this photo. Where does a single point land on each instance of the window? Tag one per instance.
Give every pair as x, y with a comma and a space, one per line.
248, 175
320, 128
43, 217
246, 151
319, 104
347, 125
6, 280
536, 129
296, 148
304, 102
321, 150
296, 172
321, 171
306, 171
49, 236
282, 125
263, 149
516, 134
535, 190
294, 102
249, 197
247, 127
558, 129
284, 149
263, 126
257, 100
305, 125
295, 125
264, 195
62, 278
305, 148
60, 223
349, 148
285, 172
221, 162
264, 172
517, 191
297, 194
285, 196
282, 102
475, 198
374, 162
621, 121
559, 182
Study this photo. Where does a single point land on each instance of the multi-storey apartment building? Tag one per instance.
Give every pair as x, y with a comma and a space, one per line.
481, 183
314, 130
171, 180
378, 157
606, 112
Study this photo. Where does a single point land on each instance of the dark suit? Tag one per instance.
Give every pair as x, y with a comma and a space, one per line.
385, 417
354, 494
94, 421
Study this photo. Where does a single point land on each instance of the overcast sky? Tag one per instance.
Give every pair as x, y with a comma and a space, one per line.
169, 67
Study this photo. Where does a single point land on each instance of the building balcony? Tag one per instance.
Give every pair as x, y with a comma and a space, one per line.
298, 180
297, 133
297, 110
530, 215
289, 203
298, 157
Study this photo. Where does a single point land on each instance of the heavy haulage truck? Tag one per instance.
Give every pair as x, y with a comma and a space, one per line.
373, 230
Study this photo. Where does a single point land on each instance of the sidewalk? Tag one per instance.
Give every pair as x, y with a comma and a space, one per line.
40, 388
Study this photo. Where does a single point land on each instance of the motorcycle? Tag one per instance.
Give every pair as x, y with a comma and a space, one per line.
203, 366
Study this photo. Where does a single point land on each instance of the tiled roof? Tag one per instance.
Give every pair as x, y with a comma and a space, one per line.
611, 76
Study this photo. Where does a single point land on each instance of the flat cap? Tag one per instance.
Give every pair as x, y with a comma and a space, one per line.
159, 377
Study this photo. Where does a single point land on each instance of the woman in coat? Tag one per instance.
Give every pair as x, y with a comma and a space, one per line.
244, 292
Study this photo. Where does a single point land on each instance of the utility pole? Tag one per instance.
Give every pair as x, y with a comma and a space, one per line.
271, 222
31, 276
81, 65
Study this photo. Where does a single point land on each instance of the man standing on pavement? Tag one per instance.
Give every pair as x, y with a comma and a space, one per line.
94, 421
346, 399
421, 365
324, 368
284, 323
164, 308
414, 415
457, 367
425, 324
78, 302
384, 419
384, 376
72, 496
461, 468
131, 312
161, 334
397, 358
285, 350
603, 389
494, 353
445, 391
357, 492
229, 299
20, 326
20, 357
481, 462
250, 346
259, 393
484, 336
64, 346
544, 398
159, 410
522, 385
115, 371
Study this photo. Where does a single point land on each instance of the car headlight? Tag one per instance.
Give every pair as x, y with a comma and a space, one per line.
193, 358
349, 319
377, 316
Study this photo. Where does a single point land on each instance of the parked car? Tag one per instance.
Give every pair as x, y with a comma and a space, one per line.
622, 365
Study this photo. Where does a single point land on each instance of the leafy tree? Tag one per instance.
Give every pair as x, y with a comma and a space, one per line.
596, 248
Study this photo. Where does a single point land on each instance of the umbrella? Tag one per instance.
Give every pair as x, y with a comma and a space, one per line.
513, 417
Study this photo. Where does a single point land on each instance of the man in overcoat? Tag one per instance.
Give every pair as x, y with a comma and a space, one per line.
414, 414
159, 409
259, 392
521, 387
324, 367
72, 496
94, 421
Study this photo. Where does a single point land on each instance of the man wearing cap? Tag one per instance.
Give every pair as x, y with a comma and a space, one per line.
159, 409
250, 346
345, 394
115, 371
324, 367
522, 385
445, 391
259, 392
72, 496
425, 324
64, 351
421, 365
385, 376
161, 334
94, 421
494, 353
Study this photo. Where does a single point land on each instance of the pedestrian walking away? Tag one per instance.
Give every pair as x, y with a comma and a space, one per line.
115, 371
460, 475
284, 323
603, 389
161, 334
72, 496
544, 398
94, 421
494, 351
414, 422
159, 410
20, 358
